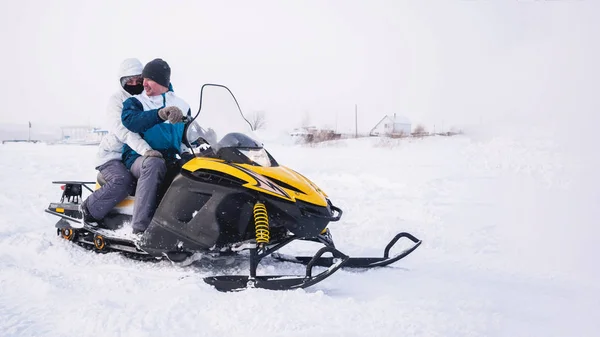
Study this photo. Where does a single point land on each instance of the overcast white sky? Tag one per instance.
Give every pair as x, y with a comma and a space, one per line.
452, 62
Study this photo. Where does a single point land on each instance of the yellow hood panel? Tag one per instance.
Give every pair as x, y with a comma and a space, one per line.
254, 176
309, 192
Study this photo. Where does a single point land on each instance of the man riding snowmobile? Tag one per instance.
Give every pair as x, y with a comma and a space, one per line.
155, 114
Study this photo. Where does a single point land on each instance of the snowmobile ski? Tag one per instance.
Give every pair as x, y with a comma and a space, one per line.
357, 262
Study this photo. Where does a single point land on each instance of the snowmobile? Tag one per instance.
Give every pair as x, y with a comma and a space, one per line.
230, 197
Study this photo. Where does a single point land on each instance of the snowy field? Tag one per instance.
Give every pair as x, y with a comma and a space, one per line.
510, 248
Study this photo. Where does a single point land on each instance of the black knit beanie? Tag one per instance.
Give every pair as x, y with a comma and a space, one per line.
158, 71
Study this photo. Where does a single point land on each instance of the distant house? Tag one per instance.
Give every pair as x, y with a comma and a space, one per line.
303, 131
81, 135
100, 132
392, 126
310, 134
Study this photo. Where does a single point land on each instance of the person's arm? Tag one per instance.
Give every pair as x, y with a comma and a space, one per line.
136, 119
134, 140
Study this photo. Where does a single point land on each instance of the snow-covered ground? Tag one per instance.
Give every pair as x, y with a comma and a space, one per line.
508, 224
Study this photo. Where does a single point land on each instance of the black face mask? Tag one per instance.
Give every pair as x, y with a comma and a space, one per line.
134, 89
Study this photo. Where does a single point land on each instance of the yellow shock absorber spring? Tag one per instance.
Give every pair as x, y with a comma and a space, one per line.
261, 223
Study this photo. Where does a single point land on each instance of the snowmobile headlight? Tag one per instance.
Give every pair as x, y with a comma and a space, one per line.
258, 156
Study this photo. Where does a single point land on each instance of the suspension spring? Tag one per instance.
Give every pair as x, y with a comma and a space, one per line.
261, 223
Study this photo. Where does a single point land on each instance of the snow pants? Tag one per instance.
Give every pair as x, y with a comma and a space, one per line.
149, 172
119, 184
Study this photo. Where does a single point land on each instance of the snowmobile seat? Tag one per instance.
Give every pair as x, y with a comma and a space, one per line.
101, 181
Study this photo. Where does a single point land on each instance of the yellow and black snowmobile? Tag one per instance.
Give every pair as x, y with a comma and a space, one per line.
230, 198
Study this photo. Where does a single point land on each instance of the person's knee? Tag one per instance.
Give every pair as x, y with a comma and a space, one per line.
124, 180
154, 166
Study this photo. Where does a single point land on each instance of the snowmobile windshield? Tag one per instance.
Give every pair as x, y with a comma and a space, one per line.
221, 124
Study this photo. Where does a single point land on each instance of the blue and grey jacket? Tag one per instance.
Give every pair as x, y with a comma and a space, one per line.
140, 115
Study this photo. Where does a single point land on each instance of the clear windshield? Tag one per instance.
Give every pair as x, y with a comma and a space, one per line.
221, 123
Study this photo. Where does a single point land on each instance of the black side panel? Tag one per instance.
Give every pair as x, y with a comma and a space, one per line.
191, 215
234, 216
300, 218
198, 212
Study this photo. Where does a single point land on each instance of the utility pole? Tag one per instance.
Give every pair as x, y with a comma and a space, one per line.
29, 137
355, 121
336, 120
